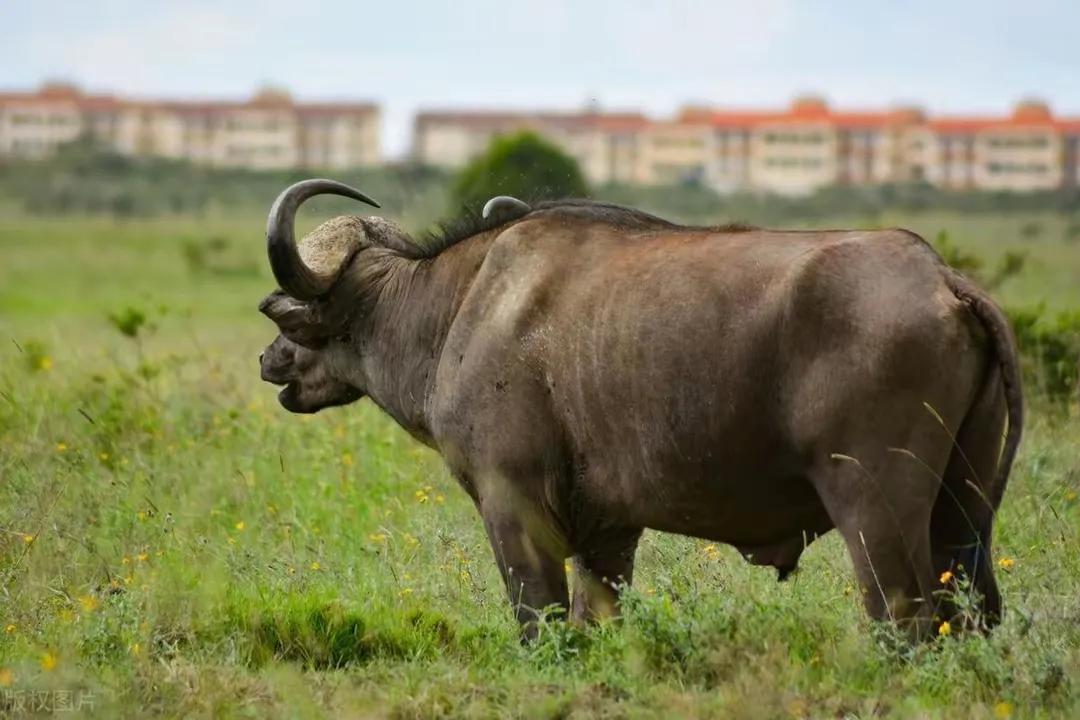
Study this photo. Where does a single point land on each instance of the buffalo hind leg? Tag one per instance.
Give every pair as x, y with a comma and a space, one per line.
963, 517
530, 555
600, 571
882, 510
894, 575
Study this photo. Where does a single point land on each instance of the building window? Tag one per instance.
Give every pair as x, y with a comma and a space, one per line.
677, 142
793, 138
794, 162
1009, 143
1005, 168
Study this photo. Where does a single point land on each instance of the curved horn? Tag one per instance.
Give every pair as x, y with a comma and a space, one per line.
292, 274
505, 208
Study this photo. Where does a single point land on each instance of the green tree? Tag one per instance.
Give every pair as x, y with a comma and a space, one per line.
523, 165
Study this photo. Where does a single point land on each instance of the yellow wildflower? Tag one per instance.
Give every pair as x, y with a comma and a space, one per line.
240, 525
439, 499
377, 537
142, 557
61, 447
405, 592
135, 649
1003, 710
316, 565
347, 459
291, 570
48, 662
125, 560
6, 677
231, 541
946, 577
1006, 563
128, 579
944, 629
10, 629
1070, 495
89, 603
411, 540
28, 539
45, 363
103, 456
271, 509
141, 515
421, 496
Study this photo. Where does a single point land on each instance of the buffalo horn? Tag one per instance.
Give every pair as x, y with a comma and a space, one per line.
292, 273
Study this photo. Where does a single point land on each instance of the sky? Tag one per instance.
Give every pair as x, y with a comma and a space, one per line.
949, 56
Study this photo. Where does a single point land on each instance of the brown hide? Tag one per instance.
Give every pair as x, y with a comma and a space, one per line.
589, 371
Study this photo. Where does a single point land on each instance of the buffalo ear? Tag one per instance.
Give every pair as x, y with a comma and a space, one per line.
299, 321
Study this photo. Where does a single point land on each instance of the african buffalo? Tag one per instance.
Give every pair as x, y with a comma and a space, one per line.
588, 371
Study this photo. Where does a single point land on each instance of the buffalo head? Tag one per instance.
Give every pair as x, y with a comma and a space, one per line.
324, 287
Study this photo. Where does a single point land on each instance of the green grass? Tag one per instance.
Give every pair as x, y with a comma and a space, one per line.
197, 551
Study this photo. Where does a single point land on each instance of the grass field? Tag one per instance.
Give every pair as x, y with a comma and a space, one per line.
173, 543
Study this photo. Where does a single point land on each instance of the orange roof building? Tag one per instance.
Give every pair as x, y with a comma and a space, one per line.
794, 150
267, 131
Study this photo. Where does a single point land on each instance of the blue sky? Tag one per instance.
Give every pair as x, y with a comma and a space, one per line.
949, 56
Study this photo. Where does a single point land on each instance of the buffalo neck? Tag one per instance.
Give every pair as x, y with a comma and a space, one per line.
410, 318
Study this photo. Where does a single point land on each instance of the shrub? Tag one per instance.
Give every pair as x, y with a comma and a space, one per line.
1031, 230
1011, 264
128, 321
1050, 352
522, 165
212, 256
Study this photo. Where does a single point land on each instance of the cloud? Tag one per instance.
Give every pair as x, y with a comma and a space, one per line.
138, 53
645, 54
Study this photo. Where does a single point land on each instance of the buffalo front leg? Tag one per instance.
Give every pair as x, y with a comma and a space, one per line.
530, 554
599, 572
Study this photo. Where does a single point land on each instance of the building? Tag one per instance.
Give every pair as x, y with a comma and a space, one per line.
804, 147
268, 131
793, 151
604, 144
1024, 151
